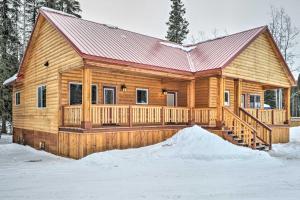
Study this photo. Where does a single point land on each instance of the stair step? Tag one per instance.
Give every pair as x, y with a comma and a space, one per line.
261, 147
242, 144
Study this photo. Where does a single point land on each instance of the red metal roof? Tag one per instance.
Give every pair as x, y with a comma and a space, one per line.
103, 41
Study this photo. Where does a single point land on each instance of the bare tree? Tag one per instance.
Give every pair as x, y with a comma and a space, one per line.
285, 35
203, 36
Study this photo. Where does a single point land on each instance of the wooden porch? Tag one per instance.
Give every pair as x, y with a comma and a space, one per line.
104, 116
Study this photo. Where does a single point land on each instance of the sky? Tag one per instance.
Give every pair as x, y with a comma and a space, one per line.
149, 17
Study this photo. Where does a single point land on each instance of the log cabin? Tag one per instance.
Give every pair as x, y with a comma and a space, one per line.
85, 87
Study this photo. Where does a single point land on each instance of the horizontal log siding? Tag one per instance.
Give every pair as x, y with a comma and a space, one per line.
49, 46
114, 79
202, 93
259, 63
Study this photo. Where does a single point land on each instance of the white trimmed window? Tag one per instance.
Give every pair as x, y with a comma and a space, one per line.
41, 96
141, 96
226, 98
17, 98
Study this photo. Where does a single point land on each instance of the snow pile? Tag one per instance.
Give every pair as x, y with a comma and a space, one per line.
198, 143
5, 139
178, 46
290, 150
190, 143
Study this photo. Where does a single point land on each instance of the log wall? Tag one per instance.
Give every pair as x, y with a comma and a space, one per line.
47, 45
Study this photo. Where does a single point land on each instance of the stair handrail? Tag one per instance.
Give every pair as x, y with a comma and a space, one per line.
253, 130
261, 124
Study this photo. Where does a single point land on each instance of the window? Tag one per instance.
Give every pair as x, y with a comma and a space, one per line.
226, 98
94, 94
42, 96
109, 95
18, 98
255, 101
141, 96
76, 93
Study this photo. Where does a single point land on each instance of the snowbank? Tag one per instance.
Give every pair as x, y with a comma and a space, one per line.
189, 143
290, 150
198, 143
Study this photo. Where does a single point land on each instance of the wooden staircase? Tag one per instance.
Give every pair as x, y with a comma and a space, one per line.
246, 130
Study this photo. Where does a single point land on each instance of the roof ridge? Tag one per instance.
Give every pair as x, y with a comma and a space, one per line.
221, 37
43, 8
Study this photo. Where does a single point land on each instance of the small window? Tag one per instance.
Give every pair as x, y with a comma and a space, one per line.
42, 96
76, 94
94, 94
255, 101
226, 98
18, 98
141, 96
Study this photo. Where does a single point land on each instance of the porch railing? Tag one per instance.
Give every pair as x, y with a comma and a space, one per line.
274, 116
127, 115
205, 116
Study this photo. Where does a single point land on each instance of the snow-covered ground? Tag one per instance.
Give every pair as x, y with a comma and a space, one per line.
193, 164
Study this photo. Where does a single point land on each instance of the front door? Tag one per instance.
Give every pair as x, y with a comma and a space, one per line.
109, 95
171, 99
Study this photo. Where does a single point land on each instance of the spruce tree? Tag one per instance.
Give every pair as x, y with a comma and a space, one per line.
9, 43
177, 24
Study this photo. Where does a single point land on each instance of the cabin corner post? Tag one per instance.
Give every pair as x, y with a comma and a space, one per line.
287, 104
237, 95
220, 102
191, 92
86, 122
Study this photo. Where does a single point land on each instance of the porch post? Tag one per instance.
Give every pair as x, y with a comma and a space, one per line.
220, 101
191, 99
287, 104
237, 95
86, 98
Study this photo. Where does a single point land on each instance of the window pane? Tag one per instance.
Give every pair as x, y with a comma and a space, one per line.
18, 98
39, 97
255, 101
109, 96
94, 94
141, 96
44, 97
75, 94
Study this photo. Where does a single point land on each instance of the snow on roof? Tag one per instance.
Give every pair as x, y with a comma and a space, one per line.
178, 46
10, 80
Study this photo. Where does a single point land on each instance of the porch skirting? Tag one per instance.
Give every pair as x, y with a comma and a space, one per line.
77, 144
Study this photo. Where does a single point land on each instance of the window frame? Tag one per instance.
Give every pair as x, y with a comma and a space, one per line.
79, 83
114, 88
17, 92
255, 96
227, 103
175, 97
147, 92
37, 96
